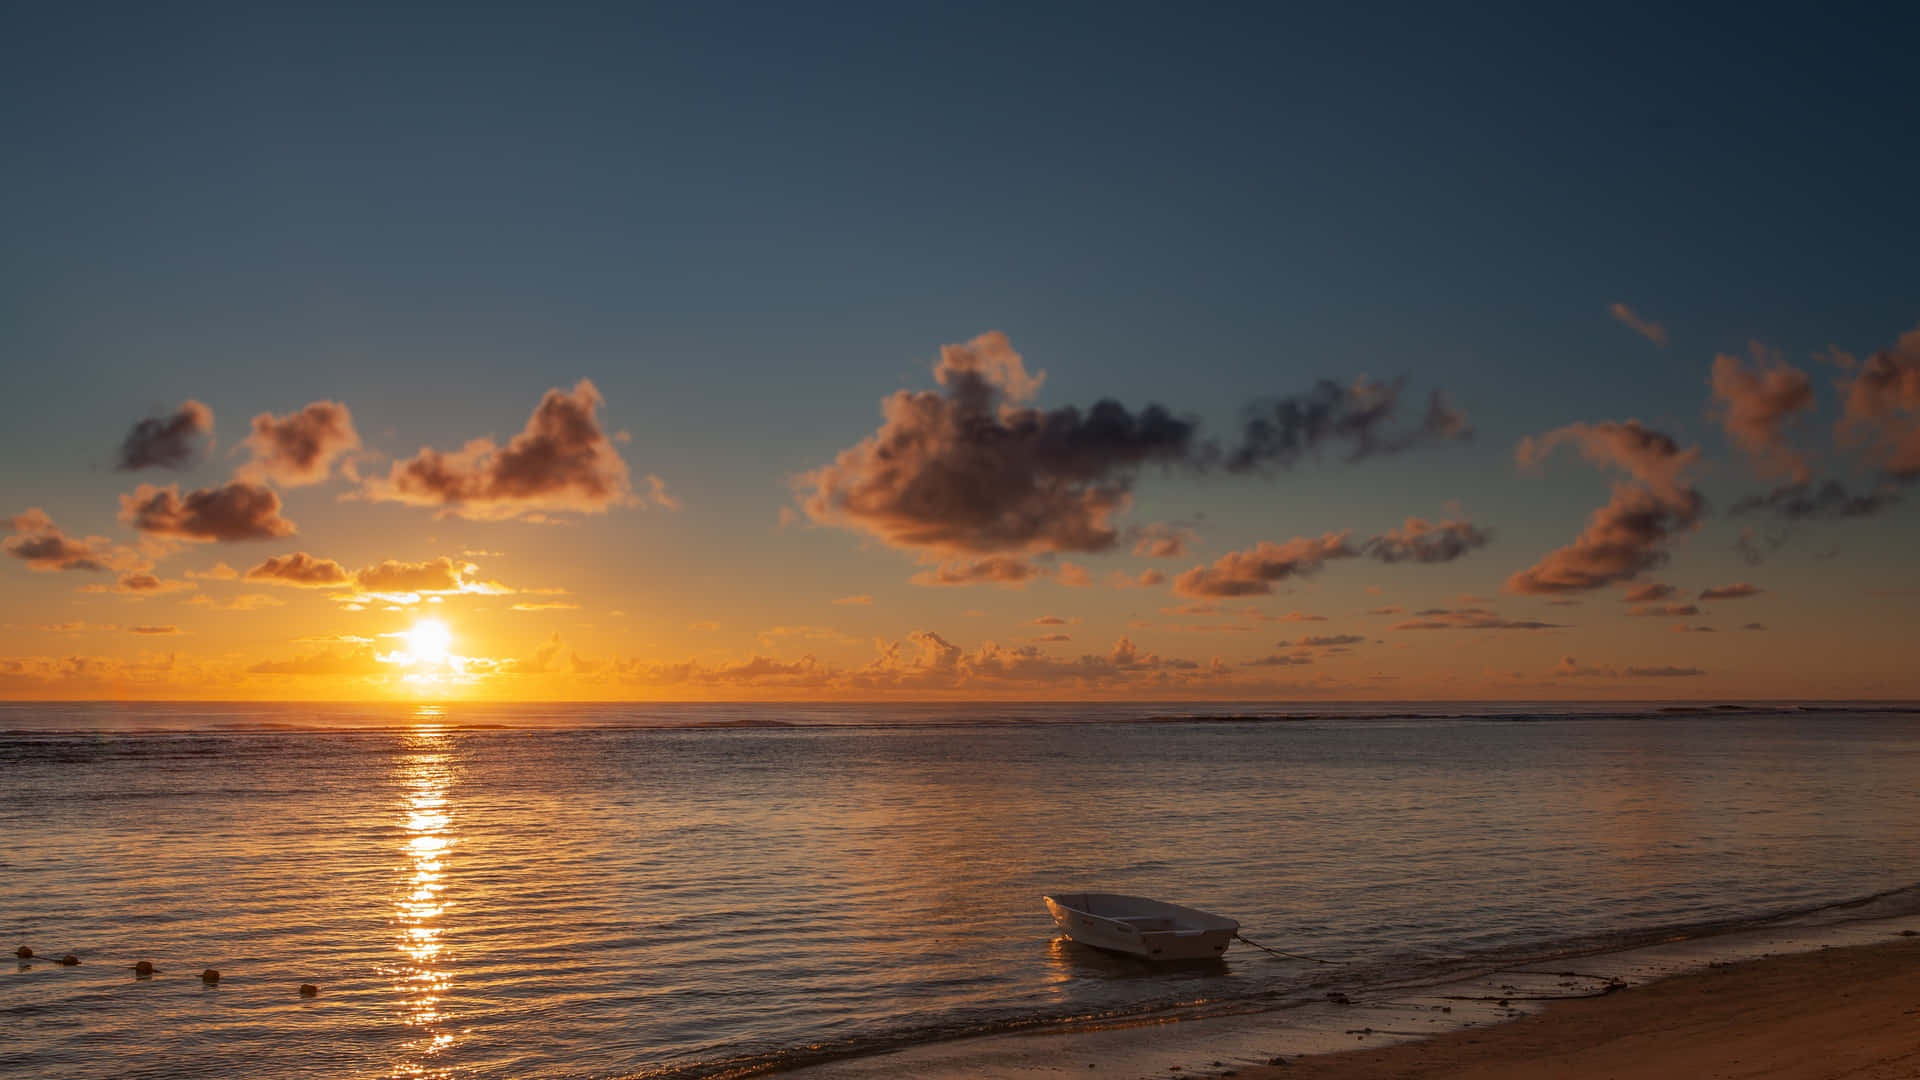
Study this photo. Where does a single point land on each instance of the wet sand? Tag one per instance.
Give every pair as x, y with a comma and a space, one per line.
1841, 1012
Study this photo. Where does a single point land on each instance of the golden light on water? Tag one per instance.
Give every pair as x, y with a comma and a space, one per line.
421, 977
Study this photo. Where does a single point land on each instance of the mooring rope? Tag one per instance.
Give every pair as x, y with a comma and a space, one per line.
1283, 952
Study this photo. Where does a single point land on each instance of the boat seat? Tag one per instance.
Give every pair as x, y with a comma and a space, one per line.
1148, 922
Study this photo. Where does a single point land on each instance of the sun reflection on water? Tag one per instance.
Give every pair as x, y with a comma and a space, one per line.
421, 978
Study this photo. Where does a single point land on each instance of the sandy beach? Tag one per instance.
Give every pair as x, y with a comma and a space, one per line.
1841, 1012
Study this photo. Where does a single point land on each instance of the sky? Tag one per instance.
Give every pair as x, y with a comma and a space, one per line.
884, 351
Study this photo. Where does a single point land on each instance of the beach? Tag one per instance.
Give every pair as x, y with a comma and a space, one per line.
1842, 1012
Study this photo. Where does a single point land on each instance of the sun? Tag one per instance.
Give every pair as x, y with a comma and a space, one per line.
429, 641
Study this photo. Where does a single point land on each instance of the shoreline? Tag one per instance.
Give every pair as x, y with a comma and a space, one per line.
1851, 1011
1536, 1020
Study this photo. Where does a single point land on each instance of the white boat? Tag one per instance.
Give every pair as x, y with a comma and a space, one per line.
1141, 927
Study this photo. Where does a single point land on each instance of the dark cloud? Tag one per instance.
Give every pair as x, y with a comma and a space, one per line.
1664, 611
1386, 611
1648, 593
1754, 626
1426, 542
301, 447
1737, 591
170, 441
1050, 620
232, 511
561, 461
1683, 628
300, 570
1053, 638
43, 545
1280, 431
1829, 501
140, 583
972, 469
1755, 406
1663, 672
1882, 406
154, 631
1279, 660
1631, 533
1469, 619
1323, 641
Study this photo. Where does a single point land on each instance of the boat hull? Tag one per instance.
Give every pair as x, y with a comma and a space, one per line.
1136, 926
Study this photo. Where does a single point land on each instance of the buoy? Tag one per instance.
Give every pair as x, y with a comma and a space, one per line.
209, 976
309, 990
69, 960
23, 953
143, 969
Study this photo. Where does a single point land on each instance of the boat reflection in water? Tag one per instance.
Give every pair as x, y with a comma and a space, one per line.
421, 977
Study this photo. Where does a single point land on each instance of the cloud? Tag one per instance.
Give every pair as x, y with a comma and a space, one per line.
1049, 638
1754, 626
1254, 570
76, 627
1280, 431
1652, 331
1683, 628
860, 600
1386, 611
1736, 591
301, 447
1004, 570
394, 576
171, 441
233, 511
43, 545
1648, 593
1323, 641
1881, 409
546, 605
141, 583
1569, 667
154, 631
219, 571
658, 495
1051, 620
1162, 541
1755, 406
1291, 616
1074, 576
1149, 579
1630, 534
972, 469
1427, 542
300, 570
1830, 501
561, 461
1664, 611
1469, 619
1278, 660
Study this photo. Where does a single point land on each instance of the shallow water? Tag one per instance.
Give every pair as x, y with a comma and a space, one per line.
611, 891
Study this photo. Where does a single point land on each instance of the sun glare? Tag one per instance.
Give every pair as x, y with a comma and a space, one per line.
429, 641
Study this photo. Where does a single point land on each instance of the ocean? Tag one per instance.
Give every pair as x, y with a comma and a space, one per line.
709, 890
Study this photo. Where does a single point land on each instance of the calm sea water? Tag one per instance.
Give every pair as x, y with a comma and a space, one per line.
696, 890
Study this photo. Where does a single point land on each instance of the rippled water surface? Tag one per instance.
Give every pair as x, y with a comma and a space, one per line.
601, 891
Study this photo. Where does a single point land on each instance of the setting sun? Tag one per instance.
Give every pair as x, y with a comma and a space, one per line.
428, 641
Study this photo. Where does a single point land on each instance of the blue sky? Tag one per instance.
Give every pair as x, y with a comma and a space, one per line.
748, 223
